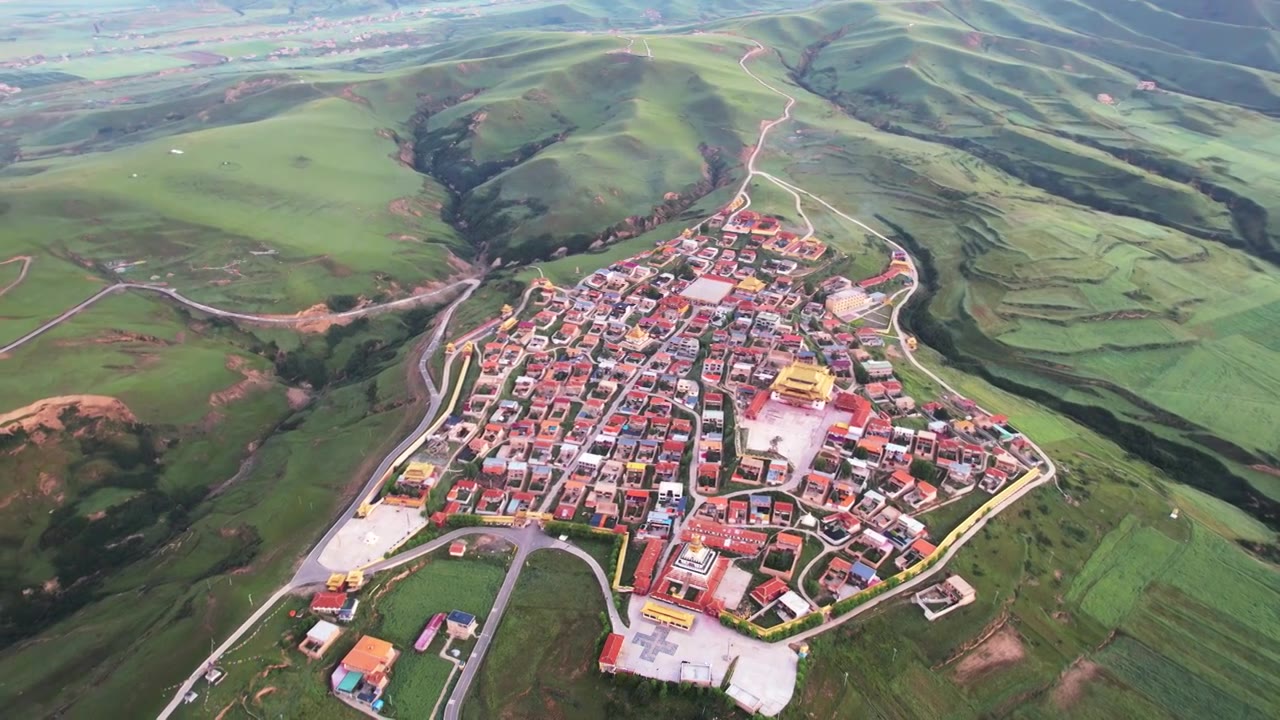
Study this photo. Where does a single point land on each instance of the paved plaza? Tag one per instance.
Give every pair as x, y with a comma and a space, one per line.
367, 540
765, 670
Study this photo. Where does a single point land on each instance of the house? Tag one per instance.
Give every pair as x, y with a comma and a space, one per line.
611, 652
768, 591
319, 639
363, 675
781, 556
791, 605
862, 576
992, 480
462, 625
923, 494
837, 528
915, 553
836, 574
940, 599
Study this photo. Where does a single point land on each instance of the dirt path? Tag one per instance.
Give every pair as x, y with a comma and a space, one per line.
22, 274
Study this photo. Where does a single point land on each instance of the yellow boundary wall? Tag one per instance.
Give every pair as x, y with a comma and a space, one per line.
622, 560
421, 439
927, 562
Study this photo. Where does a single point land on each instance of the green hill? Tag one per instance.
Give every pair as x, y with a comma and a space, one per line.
1110, 244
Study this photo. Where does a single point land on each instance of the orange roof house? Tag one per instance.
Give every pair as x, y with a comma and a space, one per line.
370, 655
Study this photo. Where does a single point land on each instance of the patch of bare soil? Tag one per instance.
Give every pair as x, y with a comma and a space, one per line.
348, 93
404, 207
113, 337
247, 87
22, 273
335, 268
1002, 649
257, 697
1073, 682
45, 413
253, 380
297, 397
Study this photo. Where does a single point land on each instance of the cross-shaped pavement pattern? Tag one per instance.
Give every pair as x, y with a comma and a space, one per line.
655, 644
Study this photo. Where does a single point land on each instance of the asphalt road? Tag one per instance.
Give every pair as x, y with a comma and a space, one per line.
311, 570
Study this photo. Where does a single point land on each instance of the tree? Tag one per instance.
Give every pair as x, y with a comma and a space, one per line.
860, 374
923, 469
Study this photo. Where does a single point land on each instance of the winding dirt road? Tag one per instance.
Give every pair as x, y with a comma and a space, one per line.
22, 272
273, 320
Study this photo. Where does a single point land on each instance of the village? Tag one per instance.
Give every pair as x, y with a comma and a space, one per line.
730, 411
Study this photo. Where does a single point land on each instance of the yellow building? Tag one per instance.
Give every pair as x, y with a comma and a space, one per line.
637, 339
663, 615
846, 303
752, 284
804, 384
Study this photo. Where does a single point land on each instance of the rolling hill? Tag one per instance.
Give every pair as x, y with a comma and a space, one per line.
1103, 230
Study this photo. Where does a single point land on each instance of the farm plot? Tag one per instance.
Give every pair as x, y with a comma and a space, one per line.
1170, 685
1113, 580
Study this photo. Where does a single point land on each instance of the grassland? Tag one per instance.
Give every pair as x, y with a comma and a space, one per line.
1087, 585
394, 608
146, 527
1078, 248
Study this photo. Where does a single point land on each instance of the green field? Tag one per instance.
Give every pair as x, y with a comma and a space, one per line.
394, 608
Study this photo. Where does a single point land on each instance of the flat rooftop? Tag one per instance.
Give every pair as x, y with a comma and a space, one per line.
708, 289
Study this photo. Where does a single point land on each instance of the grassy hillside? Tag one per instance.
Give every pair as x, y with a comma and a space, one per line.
1111, 246
1091, 602
548, 142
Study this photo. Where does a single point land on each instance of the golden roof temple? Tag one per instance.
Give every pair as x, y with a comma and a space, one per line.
804, 384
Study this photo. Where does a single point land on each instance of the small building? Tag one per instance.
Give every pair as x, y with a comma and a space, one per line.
319, 639
792, 606
461, 624
611, 653
457, 549
938, 600
768, 591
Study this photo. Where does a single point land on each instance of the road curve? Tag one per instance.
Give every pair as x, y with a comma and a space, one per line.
275, 320
311, 570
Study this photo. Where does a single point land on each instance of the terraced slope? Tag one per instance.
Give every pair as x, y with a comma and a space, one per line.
1106, 240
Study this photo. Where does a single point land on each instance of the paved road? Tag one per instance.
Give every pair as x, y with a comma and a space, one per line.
311, 570
278, 320
527, 541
